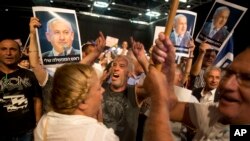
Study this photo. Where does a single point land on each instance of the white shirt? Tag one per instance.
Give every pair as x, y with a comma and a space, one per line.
137, 79
119, 51
98, 68
185, 95
57, 53
208, 97
178, 38
205, 118
60, 127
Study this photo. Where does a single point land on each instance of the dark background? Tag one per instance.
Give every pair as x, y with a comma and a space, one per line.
16, 25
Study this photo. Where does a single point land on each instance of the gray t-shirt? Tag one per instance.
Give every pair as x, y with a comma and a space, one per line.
120, 112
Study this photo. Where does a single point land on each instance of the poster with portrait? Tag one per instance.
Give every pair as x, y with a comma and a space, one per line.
182, 32
58, 37
220, 23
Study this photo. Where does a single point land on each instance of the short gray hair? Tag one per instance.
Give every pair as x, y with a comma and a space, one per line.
211, 68
51, 21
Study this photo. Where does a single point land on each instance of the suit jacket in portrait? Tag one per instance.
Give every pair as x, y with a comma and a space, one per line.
184, 40
72, 52
182, 48
219, 36
197, 93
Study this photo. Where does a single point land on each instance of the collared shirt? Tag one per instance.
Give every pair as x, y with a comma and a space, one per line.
208, 97
213, 31
58, 54
178, 38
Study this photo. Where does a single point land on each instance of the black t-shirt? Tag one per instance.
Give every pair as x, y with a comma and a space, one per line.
17, 91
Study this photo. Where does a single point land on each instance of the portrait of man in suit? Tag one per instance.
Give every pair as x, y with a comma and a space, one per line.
180, 36
217, 29
60, 34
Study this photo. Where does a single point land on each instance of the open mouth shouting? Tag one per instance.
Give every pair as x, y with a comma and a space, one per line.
115, 76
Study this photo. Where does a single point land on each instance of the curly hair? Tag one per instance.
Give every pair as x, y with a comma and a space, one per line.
71, 86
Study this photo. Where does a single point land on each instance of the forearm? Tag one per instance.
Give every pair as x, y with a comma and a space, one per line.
145, 65
157, 126
35, 64
187, 70
90, 58
33, 51
196, 68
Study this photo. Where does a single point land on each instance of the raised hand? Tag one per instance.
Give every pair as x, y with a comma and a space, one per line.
139, 53
100, 42
34, 23
204, 46
164, 53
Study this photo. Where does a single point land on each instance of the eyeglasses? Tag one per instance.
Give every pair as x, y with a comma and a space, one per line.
242, 78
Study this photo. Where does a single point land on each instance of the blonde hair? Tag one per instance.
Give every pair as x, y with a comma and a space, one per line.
71, 86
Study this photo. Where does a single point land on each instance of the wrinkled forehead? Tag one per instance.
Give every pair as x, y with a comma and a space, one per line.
241, 62
182, 19
9, 43
60, 23
224, 12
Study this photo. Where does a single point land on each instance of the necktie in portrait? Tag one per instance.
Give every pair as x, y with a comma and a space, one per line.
211, 34
65, 50
178, 40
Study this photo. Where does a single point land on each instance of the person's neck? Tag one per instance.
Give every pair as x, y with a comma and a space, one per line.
8, 68
118, 89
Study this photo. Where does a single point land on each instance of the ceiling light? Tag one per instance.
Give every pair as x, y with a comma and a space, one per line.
184, 1
139, 22
90, 14
101, 4
153, 14
188, 6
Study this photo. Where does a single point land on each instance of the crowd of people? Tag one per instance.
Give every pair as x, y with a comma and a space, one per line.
103, 96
